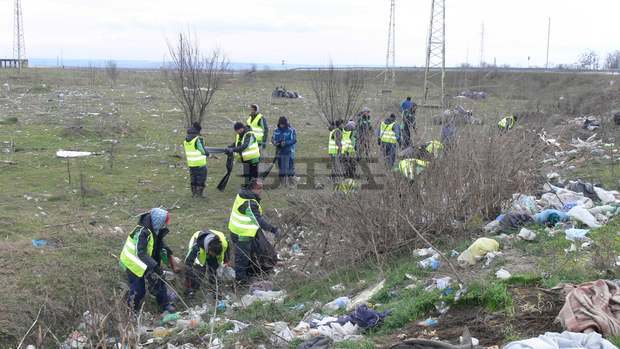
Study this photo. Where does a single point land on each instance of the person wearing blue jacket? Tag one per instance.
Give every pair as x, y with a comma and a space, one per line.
284, 139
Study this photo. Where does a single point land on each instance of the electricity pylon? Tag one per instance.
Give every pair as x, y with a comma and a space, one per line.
19, 48
389, 78
435, 73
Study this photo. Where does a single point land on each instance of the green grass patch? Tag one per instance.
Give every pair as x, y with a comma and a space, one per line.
361, 344
493, 296
9, 121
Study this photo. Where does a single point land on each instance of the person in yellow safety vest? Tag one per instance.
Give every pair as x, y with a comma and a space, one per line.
246, 150
258, 124
434, 148
411, 167
253, 252
142, 254
389, 138
348, 185
348, 149
196, 156
206, 249
507, 123
335, 148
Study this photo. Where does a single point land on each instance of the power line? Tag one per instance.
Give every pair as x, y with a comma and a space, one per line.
435, 73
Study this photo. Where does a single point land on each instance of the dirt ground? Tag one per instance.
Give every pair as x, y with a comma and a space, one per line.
535, 310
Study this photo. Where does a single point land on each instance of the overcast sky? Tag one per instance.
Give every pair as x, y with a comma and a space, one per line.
314, 31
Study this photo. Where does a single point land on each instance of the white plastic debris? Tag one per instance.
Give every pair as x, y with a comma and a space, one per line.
503, 274
527, 234
582, 215
338, 288
73, 154
605, 196
263, 296
576, 234
365, 295
423, 252
338, 303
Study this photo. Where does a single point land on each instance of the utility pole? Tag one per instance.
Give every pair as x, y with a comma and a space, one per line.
435, 73
482, 45
389, 78
19, 48
548, 39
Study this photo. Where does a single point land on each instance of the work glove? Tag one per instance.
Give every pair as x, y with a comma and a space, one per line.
275, 232
228, 151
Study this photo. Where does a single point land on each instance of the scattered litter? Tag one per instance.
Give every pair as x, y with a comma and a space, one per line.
296, 249
73, 154
264, 285
339, 287
171, 317
582, 215
576, 234
430, 322
338, 303
477, 250
238, 326
432, 262
263, 296
503, 274
423, 252
366, 295
527, 234
320, 342
439, 283
511, 222
39, 243
490, 257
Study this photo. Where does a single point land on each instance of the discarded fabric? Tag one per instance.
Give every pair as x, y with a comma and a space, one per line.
550, 217
592, 306
564, 340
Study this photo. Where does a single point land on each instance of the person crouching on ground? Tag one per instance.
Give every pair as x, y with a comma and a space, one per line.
141, 257
206, 249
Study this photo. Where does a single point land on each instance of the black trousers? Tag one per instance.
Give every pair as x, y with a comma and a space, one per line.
253, 256
198, 176
250, 171
195, 274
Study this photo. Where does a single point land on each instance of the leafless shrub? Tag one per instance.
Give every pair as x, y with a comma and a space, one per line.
458, 191
111, 70
194, 78
337, 92
613, 60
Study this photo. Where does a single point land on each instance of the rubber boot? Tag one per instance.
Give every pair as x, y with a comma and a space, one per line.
194, 191
200, 192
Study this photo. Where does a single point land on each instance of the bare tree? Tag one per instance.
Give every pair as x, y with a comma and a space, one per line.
589, 60
613, 60
194, 78
111, 69
337, 92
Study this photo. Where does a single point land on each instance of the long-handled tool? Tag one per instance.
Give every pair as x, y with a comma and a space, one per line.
229, 167
268, 170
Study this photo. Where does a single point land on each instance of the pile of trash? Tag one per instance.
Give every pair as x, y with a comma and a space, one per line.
458, 116
591, 146
282, 92
475, 95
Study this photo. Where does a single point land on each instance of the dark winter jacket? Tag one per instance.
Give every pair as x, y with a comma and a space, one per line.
288, 135
158, 245
262, 222
202, 241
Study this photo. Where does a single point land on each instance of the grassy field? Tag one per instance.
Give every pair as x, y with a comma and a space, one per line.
85, 220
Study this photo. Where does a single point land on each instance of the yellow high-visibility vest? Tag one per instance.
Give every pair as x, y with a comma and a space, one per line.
434, 147
194, 157
507, 123
251, 152
257, 127
412, 167
347, 142
243, 224
129, 255
332, 148
387, 133
201, 258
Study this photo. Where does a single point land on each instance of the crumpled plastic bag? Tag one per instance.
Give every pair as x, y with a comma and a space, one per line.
523, 204
565, 340
477, 250
582, 215
607, 197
